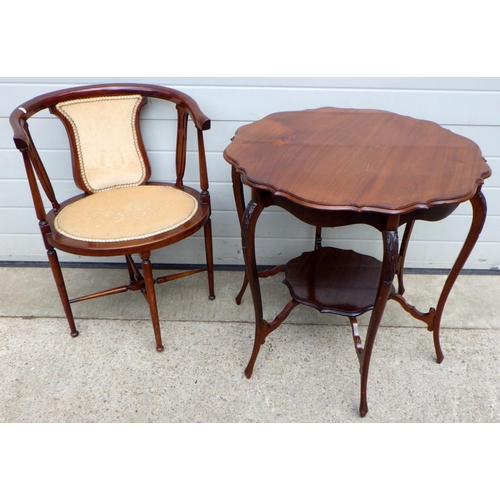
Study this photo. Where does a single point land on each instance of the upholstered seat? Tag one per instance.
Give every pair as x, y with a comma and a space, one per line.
126, 214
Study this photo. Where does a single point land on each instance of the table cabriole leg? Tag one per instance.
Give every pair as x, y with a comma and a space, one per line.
248, 224
479, 209
402, 256
318, 240
239, 200
244, 285
388, 271
358, 343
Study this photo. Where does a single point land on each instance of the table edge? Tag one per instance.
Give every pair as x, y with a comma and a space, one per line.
363, 207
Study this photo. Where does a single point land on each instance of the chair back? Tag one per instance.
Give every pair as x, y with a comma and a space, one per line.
107, 150
106, 144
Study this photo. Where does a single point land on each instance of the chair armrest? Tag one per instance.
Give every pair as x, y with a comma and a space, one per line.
17, 119
201, 121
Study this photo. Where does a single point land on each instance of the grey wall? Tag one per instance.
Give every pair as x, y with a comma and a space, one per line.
468, 106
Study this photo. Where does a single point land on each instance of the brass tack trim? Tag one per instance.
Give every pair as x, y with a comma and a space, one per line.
60, 108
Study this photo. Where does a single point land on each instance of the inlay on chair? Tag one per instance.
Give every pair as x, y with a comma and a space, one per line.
119, 212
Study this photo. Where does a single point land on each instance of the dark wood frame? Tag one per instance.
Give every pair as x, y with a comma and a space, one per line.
250, 156
38, 177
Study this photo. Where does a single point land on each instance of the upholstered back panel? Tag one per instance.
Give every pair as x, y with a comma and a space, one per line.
105, 137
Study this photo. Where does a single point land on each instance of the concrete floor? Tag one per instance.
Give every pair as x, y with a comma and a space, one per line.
306, 372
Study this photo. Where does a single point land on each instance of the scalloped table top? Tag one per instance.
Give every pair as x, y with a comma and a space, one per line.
359, 160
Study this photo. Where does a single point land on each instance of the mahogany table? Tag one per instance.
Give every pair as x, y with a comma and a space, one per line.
333, 167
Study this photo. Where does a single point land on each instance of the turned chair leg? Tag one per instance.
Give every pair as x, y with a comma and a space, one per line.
210, 258
61, 288
151, 298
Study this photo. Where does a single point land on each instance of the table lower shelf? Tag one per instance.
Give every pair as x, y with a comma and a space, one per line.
334, 281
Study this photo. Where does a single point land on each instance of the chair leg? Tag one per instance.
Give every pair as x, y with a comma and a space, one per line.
133, 272
210, 258
151, 298
61, 288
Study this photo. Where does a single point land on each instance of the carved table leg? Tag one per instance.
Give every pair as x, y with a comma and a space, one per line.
479, 209
318, 240
388, 271
249, 222
239, 199
402, 256
242, 290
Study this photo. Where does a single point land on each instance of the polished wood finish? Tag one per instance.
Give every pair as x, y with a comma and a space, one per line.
400, 164
334, 281
39, 178
332, 167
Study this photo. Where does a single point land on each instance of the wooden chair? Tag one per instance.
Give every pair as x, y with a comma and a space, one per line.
119, 212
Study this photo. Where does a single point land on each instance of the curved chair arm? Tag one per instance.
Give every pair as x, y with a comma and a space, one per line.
201, 121
185, 104
17, 121
104, 133
19, 116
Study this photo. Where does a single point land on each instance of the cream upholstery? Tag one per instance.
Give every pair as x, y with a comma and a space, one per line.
126, 213
106, 140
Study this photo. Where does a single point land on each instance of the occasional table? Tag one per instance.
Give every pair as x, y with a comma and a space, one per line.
332, 167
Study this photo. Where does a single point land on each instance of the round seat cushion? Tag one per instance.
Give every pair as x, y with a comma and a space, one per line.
127, 213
